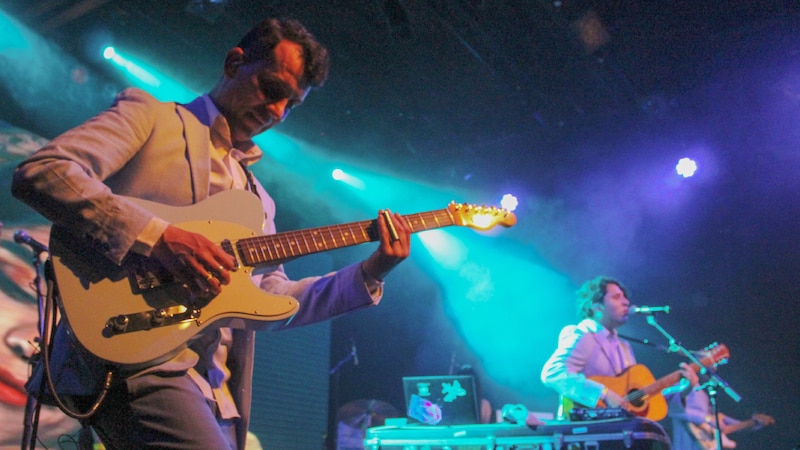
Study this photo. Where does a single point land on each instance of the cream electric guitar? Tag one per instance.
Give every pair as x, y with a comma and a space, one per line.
705, 433
137, 313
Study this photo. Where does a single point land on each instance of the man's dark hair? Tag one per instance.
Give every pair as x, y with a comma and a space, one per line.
593, 292
258, 44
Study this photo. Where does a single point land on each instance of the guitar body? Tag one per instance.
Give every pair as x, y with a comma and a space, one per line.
705, 437
636, 378
94, 291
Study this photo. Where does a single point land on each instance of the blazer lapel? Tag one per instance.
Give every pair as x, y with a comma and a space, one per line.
602, 342
197, 136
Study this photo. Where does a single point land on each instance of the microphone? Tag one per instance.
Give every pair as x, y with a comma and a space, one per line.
650, 309
21, 237
354, 352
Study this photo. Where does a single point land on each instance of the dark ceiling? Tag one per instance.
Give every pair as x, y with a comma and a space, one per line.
565, 100
466, 82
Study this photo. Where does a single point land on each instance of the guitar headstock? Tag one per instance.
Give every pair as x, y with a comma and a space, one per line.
480, 217
716, 354
763, 419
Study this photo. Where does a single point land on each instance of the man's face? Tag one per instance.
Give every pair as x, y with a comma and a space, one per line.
259, 95
614, 308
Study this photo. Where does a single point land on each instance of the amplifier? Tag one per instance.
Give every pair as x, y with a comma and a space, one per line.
613, 434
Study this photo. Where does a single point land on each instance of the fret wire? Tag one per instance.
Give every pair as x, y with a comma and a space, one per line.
350, 234
281, 246
288, 245
332, 237
363, 227
305, 242
265, 248
317, 238
260, 250
344, 233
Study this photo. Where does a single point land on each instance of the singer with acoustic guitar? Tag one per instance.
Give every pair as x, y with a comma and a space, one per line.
593, 367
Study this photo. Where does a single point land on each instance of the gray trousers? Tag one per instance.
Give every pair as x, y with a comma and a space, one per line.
161, 411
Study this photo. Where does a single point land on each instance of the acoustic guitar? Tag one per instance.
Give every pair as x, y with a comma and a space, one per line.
638, 386
137, 313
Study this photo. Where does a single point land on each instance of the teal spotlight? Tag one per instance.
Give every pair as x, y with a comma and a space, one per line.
350, 180
147, 77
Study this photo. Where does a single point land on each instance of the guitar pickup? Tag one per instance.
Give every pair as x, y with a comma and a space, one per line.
148, 320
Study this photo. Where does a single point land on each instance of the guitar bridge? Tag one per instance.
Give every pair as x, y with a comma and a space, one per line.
148, 320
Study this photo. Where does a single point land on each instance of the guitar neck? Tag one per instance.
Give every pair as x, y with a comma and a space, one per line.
743, 425
662, 383
658, 386
281, 247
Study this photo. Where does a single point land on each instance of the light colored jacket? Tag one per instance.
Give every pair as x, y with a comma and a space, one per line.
158, 151
580, 354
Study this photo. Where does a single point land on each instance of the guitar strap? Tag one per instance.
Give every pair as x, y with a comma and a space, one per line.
251, 185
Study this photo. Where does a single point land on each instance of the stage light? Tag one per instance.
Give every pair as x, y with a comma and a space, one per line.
686, 167
509, 202
350, 180
148, 78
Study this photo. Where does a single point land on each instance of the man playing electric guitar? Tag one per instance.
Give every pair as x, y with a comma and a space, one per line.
181, 155
591, 350
694, 424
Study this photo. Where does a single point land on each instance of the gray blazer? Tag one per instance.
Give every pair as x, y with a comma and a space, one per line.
158, 151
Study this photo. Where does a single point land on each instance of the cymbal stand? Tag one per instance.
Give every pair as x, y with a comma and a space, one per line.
714, 381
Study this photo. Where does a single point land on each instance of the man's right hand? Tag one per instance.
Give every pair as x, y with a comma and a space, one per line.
614, 400
193, 259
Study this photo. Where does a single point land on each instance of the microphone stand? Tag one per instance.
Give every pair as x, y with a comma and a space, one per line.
32, 405
334, 372
714, 381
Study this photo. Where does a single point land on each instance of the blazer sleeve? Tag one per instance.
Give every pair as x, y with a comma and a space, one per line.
563, 372
63, 180
320, 297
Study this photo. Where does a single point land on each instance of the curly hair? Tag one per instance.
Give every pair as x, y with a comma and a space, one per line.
592, 292
258, 44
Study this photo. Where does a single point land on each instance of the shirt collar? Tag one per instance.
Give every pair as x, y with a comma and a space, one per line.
598, 329
219, 124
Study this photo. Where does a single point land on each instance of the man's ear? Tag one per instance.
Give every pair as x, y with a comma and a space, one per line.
233, 61
598, 308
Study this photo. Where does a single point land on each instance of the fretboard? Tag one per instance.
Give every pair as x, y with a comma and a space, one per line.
281, 247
